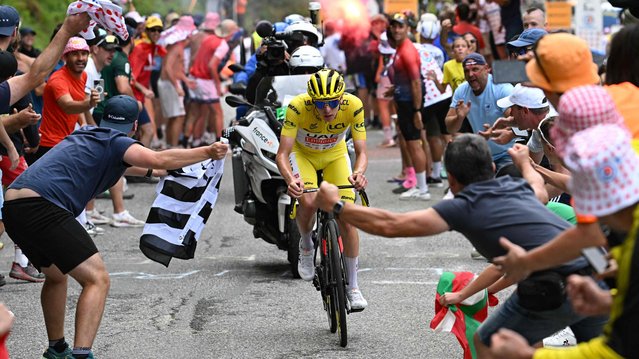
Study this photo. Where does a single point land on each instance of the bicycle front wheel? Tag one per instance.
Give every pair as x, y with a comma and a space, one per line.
338, 298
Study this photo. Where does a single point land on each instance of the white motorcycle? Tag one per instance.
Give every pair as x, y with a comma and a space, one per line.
260, 190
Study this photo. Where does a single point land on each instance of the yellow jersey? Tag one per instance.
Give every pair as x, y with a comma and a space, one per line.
314, 135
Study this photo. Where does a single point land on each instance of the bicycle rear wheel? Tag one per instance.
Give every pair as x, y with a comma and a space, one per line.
338, 297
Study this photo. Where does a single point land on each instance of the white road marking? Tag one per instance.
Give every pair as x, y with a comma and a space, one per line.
401, 282
142, 275
222, 273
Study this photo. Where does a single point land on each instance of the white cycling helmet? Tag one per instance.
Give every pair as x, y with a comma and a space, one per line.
306, 59
307, 29
384, 47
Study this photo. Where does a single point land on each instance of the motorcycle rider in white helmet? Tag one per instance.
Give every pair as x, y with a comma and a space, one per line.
305, 60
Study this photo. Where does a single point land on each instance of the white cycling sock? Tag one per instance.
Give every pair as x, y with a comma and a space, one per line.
421, 182
20, 258
352, 264
306, 241
437, 169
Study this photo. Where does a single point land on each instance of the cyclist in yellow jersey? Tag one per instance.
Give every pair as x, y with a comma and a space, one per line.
313, 139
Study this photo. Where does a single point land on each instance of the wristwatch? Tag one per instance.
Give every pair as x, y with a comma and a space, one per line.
338, 207
416, 110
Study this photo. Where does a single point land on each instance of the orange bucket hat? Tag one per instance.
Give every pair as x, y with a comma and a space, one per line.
562, 61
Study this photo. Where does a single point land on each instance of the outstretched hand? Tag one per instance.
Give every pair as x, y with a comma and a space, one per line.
512, 265
327, 196
74, 24
218, 150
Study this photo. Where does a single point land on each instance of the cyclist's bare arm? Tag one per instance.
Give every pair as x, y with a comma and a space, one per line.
361, 163
381, 222
295, 186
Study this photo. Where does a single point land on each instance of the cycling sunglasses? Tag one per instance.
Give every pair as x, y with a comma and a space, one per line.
330, 103
544, 128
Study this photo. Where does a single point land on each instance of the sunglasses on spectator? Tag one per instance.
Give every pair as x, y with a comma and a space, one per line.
330, 103
520, 51
472, 41
544, 128
155, 29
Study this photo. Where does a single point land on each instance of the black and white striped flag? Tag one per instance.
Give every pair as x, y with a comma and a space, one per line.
185, 199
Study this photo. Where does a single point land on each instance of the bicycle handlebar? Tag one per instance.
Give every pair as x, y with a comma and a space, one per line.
362, 194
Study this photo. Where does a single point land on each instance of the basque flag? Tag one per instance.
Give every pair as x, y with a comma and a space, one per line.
464, 318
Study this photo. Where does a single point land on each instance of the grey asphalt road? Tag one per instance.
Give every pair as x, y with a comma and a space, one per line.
237, 298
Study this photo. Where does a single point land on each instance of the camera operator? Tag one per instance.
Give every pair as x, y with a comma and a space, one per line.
273, 55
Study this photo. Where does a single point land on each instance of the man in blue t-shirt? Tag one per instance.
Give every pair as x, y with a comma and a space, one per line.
42, 203
476, 99
484, 209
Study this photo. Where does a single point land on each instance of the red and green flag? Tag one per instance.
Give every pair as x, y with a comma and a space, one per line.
464, 318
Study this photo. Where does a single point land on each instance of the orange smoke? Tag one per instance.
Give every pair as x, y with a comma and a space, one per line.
350, 16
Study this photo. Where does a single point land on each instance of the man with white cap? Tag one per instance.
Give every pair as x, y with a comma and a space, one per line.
528, 107
42, 202
605, 183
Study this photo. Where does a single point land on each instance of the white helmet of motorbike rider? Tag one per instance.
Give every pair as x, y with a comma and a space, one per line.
306, 60
310, 35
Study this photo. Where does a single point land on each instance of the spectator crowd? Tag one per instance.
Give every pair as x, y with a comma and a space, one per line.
542, 175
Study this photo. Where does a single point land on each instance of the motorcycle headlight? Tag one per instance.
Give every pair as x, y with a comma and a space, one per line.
270, 155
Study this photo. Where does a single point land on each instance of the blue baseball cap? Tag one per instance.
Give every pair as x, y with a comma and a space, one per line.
474, 59
9, 20
528, 37
120, 113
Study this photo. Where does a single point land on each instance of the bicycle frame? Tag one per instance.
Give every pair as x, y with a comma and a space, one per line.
330, 273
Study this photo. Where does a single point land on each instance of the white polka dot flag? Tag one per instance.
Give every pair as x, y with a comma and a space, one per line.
102, 12
185, 199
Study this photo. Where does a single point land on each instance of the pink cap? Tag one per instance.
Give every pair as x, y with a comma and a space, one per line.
580, 108
211, 21
75, 44
604, 168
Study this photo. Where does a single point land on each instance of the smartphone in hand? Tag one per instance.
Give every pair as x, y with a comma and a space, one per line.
98, 85
597, 258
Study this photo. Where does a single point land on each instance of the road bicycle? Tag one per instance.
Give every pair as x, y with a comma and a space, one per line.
330, 272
